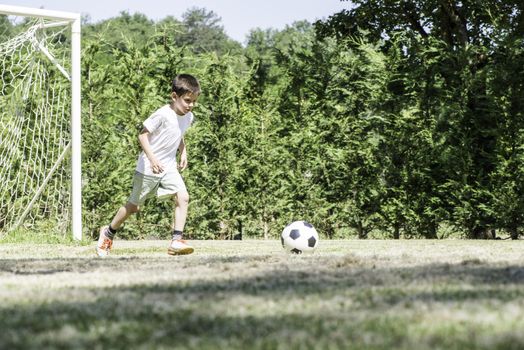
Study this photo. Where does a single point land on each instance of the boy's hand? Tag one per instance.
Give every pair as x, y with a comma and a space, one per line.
183, 161
156, 167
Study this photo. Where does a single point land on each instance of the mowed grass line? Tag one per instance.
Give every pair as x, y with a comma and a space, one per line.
414, 294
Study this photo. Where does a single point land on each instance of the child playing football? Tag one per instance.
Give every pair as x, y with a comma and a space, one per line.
157, 170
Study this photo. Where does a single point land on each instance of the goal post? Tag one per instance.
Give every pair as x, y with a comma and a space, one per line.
21, 203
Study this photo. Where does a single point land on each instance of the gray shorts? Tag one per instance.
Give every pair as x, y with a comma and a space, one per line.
144, 186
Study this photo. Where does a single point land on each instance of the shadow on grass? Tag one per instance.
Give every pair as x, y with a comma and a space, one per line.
57, 265
284, 304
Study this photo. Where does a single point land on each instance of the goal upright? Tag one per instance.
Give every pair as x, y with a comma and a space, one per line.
38, 106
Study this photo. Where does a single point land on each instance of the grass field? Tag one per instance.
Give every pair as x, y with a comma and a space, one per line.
414, 294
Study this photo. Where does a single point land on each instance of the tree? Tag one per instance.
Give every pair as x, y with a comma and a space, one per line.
204, 33
449, 56
6, 28
116, 31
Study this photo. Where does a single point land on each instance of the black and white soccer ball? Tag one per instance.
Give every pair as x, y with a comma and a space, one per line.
299, 237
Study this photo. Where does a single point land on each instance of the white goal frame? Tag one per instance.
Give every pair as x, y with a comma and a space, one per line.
74, 21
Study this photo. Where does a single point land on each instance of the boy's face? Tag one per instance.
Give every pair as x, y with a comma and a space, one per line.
183, 104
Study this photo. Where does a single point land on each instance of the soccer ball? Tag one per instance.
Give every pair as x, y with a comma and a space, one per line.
299, 237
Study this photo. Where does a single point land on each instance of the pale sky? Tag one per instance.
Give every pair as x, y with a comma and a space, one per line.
238, 16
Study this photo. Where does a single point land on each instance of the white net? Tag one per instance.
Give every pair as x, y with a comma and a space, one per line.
35, 134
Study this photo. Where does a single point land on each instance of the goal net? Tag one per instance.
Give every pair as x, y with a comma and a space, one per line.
36, 124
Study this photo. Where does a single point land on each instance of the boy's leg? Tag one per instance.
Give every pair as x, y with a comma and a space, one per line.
172, 186
181, 205
122, 214
178, 246
107, 233
143, 186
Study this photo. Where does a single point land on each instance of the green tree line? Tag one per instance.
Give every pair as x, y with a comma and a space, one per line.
390, 119
394, 119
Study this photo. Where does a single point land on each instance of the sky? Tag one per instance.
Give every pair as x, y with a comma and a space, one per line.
238, 16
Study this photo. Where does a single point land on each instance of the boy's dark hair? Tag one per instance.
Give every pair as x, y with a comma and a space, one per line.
186, 83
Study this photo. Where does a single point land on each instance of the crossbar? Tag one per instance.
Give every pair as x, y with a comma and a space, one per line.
41, 13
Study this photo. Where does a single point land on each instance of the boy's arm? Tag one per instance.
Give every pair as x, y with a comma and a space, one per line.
156, 166
183, 155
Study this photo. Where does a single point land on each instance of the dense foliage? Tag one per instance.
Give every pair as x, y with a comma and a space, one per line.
391, 119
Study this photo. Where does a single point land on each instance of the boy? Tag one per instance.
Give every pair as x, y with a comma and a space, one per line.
156, 170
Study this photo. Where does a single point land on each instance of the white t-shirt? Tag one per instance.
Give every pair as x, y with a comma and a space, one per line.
166, 129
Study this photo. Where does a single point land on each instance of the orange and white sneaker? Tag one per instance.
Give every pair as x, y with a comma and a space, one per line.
179, 247
104, 245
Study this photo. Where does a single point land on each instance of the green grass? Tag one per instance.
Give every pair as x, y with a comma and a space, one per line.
39, 236
450, 294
